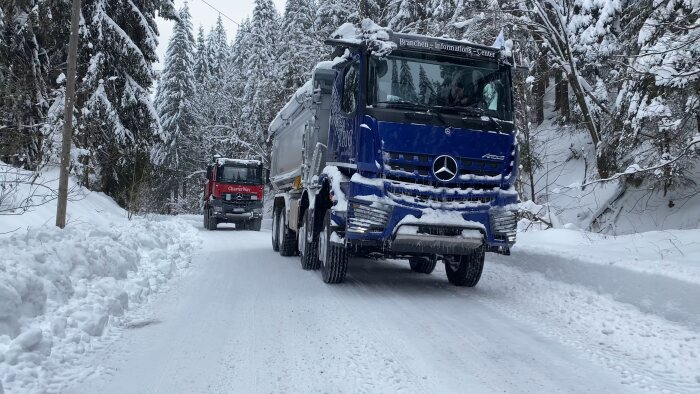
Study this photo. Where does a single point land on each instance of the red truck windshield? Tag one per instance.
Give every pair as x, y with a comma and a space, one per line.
239, 174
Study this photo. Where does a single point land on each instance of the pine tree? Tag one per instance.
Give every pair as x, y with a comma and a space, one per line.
333, 13
177, 153
24, 92
261, 95
409, 16
300, 49
217, 47
118, 123
202, 69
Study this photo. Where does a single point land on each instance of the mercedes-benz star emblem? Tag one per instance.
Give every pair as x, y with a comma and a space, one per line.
239, 196
448, 130
445, 168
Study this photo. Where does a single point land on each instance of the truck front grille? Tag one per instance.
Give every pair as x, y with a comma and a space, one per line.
419, 168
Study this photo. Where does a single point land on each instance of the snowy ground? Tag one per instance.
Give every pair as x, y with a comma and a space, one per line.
160, 305
64, 294
247, 320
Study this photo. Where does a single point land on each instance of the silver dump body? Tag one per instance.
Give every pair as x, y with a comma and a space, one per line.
299, 132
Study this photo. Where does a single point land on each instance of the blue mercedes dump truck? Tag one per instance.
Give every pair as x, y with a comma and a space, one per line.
402, 147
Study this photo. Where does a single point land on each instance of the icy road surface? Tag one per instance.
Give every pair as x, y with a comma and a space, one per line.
247, 320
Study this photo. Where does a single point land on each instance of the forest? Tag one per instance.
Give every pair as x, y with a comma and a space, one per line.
620, 78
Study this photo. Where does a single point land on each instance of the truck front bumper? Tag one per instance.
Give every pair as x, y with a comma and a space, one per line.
396, 229
225, 211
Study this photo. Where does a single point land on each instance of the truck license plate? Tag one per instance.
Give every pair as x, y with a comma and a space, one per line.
228, 197
237, 210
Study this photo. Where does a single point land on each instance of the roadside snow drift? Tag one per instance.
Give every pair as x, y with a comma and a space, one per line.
657, 271
62, 290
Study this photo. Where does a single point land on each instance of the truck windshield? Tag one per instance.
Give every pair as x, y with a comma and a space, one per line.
239, 174
425, 82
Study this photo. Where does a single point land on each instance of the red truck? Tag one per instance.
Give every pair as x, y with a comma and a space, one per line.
233, 193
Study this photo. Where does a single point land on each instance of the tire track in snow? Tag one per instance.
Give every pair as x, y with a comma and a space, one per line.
646, 351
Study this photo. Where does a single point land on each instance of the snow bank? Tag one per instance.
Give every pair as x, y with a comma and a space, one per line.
62, 291
59, 289
658, 272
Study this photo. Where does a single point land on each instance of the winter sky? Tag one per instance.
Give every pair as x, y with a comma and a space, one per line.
204, 15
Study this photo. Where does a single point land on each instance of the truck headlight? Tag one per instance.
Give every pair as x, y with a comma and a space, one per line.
254, 197
363, 218
503, 225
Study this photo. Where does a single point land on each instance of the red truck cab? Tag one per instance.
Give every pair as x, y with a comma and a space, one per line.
233, 193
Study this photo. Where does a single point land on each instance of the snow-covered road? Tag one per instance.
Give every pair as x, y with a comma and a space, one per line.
245, 319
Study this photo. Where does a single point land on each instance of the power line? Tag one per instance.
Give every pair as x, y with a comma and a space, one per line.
221, 13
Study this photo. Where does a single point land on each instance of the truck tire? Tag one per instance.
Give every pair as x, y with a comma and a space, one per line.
334, 258
465, 270
287, 237
211, 221
275, 230
255, 224
422, 265
308, 244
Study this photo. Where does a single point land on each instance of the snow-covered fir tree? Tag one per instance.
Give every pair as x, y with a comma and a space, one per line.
118, 123
261, 94
300, 48
217, 47
202, 69
177, 153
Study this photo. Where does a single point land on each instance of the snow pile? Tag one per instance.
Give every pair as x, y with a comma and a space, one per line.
658, 271
59, 289
376, 37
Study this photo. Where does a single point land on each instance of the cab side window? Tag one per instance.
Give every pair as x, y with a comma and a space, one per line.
351, 88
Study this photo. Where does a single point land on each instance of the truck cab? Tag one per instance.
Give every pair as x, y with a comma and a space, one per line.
233, 193
417, 158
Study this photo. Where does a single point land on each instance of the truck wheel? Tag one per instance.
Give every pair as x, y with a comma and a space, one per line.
334, 258
275, 230
287, 237
308, 244
255, 224
242, 225
211, 221
422, 265
465, 270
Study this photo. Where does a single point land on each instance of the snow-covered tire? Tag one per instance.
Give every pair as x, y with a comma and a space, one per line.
422, 265
255, 224
466, 270
308, 244
334, 258
287, 237
275, 230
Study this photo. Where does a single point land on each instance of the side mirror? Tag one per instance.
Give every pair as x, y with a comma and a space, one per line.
210, 170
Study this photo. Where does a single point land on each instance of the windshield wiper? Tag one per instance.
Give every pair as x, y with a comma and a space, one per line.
409, 104
472, 112
404, 104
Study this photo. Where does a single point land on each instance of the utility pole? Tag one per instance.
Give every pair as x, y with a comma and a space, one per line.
68, 116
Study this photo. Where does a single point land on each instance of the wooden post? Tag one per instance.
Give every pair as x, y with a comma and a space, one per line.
68, 116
